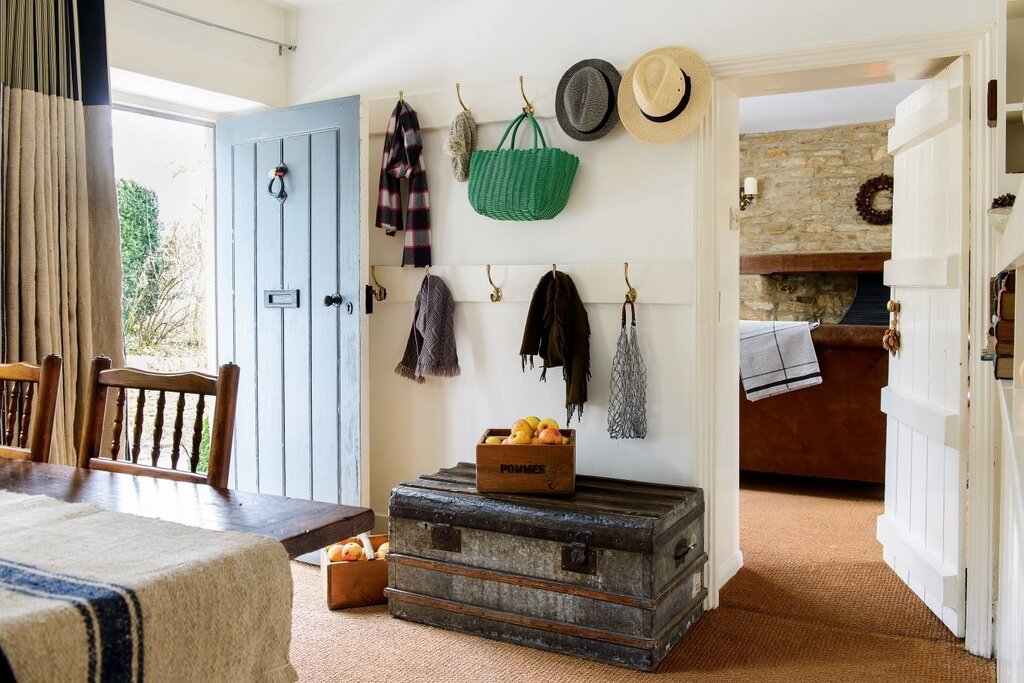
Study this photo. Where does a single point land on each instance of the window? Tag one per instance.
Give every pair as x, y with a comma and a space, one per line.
164, 169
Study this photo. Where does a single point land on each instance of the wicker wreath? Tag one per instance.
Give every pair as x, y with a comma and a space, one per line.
866, 200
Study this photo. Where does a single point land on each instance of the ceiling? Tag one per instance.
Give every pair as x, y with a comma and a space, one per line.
823, 108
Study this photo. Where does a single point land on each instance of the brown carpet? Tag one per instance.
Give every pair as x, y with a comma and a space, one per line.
814, 602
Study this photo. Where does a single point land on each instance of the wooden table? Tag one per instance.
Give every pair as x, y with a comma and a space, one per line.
301, 526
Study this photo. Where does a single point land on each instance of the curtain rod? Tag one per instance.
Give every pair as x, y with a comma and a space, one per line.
204, 22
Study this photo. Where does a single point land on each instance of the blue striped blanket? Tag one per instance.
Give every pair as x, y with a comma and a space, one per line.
91, 595
110, 613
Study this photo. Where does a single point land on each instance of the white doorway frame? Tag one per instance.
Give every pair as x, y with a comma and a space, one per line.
716, 276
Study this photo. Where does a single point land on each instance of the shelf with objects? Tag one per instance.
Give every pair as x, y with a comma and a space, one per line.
1010, 259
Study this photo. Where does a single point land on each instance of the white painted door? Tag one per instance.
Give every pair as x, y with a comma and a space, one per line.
922, 529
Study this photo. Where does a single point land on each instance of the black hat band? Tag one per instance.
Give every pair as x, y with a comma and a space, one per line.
679, 107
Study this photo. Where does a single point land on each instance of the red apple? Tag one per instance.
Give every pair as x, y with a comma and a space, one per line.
351, 552
550, 436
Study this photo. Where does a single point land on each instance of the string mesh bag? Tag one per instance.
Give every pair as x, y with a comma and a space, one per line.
627, 406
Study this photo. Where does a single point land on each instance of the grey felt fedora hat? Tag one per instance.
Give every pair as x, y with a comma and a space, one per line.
585, 102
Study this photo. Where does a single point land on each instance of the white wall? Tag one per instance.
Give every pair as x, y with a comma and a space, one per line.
145, 41
622, 208
631, 201
375, 48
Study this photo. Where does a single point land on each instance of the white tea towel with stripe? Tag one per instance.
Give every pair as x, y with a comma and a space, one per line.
776, 357
92, 595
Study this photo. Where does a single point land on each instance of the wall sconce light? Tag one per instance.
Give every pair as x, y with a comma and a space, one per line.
748, 191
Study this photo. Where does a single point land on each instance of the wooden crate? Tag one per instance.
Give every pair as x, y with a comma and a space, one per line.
355, 584
539, 469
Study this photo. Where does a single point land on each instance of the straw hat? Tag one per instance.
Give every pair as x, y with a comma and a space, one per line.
665, 94
585, 99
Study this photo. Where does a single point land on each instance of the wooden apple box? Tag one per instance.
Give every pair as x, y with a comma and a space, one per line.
528, 468
355, 584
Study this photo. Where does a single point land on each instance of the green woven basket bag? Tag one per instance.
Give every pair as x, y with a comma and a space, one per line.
521, 184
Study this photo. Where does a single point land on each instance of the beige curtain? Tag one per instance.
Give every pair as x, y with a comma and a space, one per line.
61, 262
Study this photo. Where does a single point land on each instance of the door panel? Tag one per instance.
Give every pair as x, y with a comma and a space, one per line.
300, 363
922, 530
269, 334
240, 245
297, 343
324, 163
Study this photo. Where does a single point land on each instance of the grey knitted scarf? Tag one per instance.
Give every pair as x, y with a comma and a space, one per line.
431, 350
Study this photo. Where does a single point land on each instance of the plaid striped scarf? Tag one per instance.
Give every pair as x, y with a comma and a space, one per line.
403, 158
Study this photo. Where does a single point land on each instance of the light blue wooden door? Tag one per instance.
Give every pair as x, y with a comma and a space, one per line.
297, 425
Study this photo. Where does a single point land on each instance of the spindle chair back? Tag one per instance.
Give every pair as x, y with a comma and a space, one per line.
125, 451
28, 403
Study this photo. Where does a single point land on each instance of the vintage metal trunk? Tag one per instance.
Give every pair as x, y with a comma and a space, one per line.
614, 573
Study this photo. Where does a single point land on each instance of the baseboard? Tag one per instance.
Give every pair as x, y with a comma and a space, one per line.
729, 568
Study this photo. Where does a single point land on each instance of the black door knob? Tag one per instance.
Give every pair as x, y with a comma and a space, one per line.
332, 300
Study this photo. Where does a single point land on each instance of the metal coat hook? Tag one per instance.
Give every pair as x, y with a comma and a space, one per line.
496, 294
630, 290
554, 268
277, 173
458, 93
379, 292
528, 109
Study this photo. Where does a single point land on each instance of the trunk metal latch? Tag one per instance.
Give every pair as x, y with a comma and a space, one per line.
445, 536
579, 556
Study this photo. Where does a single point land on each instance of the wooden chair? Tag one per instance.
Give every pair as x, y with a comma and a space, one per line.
224, 387
28, 402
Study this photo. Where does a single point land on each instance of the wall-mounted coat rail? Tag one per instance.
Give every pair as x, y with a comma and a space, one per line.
494, 103
598, 283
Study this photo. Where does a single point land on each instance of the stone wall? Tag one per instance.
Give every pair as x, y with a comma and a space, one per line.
808, 180
803, 296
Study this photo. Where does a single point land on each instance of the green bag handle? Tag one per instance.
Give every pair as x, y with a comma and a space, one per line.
513, 126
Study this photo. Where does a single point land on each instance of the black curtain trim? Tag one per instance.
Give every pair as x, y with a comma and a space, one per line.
92, 44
